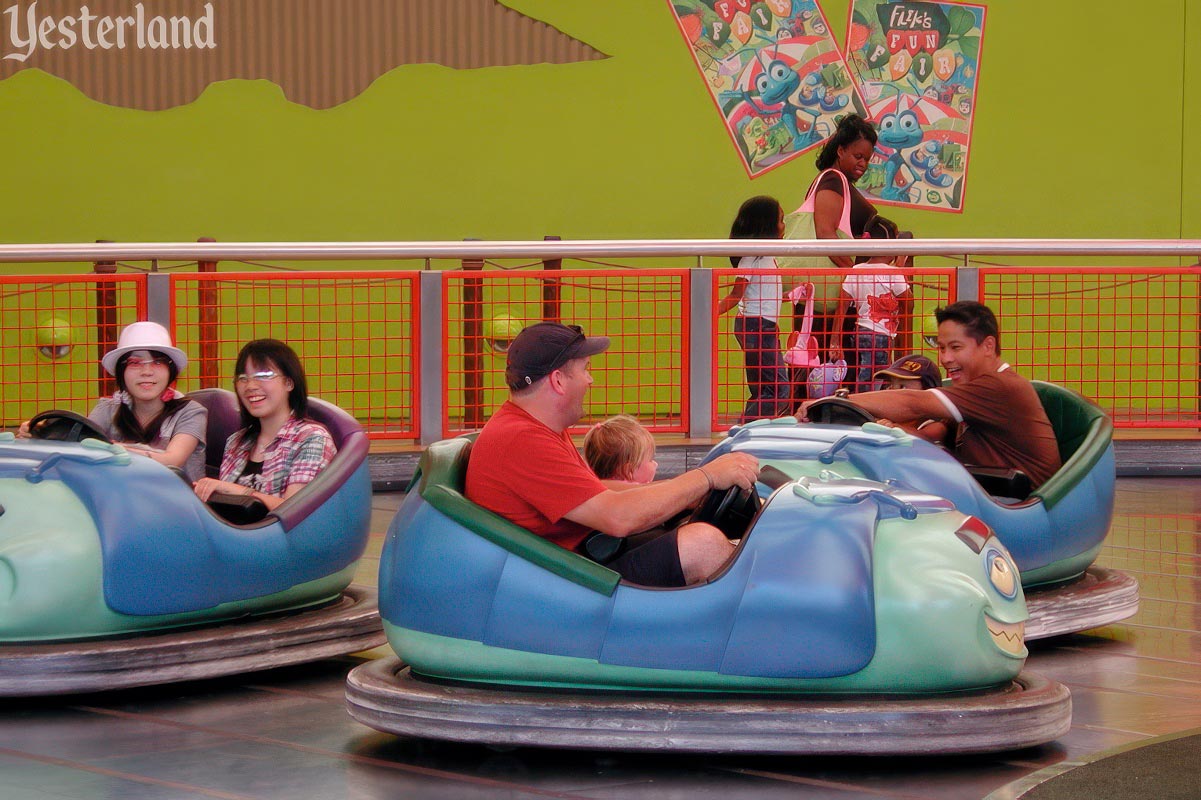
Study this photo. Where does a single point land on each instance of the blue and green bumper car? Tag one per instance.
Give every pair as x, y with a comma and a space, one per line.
1053, 531
114, 574
850, 611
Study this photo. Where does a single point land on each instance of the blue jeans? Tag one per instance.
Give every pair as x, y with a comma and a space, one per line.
766, 374
874, 353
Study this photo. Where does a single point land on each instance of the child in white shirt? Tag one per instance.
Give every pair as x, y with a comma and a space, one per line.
757, 293
883, 306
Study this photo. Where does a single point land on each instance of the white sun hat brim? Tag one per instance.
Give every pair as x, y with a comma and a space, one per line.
144, 336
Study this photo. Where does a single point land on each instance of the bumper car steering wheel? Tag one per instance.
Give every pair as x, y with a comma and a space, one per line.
65, 426
729, 510
837, 411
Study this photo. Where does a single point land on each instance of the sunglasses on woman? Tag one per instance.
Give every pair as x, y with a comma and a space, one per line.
258, 377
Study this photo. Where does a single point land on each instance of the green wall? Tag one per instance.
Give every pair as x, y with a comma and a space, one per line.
1086, 127
1190, 203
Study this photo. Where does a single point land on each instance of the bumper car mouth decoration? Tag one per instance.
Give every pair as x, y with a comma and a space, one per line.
1008, 636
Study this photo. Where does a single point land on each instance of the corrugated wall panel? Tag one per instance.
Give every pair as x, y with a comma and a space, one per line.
322, 52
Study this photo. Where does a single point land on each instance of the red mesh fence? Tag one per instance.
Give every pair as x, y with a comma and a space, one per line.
53, 331
644, 312
732, 387
357, 334
1125, 337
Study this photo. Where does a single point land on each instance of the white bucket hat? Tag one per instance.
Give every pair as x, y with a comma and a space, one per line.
143, 336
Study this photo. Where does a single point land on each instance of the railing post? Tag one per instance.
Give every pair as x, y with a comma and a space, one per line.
106, 321
433, 379
967, 284
158, 300
473, 338
208, 318
551, 287
701, 376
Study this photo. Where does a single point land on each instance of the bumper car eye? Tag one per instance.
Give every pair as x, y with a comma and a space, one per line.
1001, 573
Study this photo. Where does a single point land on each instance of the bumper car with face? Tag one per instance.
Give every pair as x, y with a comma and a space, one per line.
1053, 532
114, 574
854, 617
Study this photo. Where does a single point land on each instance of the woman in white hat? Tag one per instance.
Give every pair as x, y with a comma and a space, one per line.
147, 415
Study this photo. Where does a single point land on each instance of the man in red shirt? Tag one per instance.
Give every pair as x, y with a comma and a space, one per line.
995, 413
525, 467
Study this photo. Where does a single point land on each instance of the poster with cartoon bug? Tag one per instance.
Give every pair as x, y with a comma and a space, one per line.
918, 64
774, 72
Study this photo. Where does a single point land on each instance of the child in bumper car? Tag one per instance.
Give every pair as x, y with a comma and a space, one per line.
621, 452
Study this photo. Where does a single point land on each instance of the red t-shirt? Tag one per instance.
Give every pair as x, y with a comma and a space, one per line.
1002, 424
530, 475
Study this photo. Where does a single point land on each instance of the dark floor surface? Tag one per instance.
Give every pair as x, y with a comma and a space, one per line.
286, 734
1167, 768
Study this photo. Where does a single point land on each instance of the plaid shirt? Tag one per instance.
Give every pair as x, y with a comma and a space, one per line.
298, 452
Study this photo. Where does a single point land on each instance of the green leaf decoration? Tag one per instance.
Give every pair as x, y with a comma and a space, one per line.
877, 52
961, 20
970, 45
923, 67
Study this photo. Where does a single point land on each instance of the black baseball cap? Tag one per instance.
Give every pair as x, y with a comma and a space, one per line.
914, 367
543, 347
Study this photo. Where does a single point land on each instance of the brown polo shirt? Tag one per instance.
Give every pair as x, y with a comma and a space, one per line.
1002, 424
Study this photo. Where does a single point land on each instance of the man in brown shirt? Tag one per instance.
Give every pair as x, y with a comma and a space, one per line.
995, 413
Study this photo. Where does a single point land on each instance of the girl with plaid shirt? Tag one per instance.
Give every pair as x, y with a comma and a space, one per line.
277, 451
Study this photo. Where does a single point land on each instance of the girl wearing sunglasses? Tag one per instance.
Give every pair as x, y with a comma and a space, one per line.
146, 414
277, 451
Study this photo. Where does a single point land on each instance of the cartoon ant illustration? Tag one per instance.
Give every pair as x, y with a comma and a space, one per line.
816, 92
898, 130
775, 85
805, 23
901, 130
927, 159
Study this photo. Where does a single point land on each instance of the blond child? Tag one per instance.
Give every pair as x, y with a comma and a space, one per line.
620, 450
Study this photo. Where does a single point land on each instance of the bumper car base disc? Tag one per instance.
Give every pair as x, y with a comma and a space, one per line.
1098, 597
347, 625
385, 695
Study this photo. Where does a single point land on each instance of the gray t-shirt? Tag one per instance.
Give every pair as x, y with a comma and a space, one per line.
191, 418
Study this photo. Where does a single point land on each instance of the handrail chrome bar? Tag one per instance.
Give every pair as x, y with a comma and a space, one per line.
594, 248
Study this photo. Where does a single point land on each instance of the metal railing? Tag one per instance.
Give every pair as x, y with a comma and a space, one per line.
595, 248
1125, 335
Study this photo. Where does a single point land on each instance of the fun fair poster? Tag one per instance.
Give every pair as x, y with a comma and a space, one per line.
774, 72
918, 65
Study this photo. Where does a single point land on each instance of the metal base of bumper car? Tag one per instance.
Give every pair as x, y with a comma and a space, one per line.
1031, 710
347, 625
1098, 597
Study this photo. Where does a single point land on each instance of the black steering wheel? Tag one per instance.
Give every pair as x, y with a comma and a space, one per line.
837, 411
65, 426
729, 510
